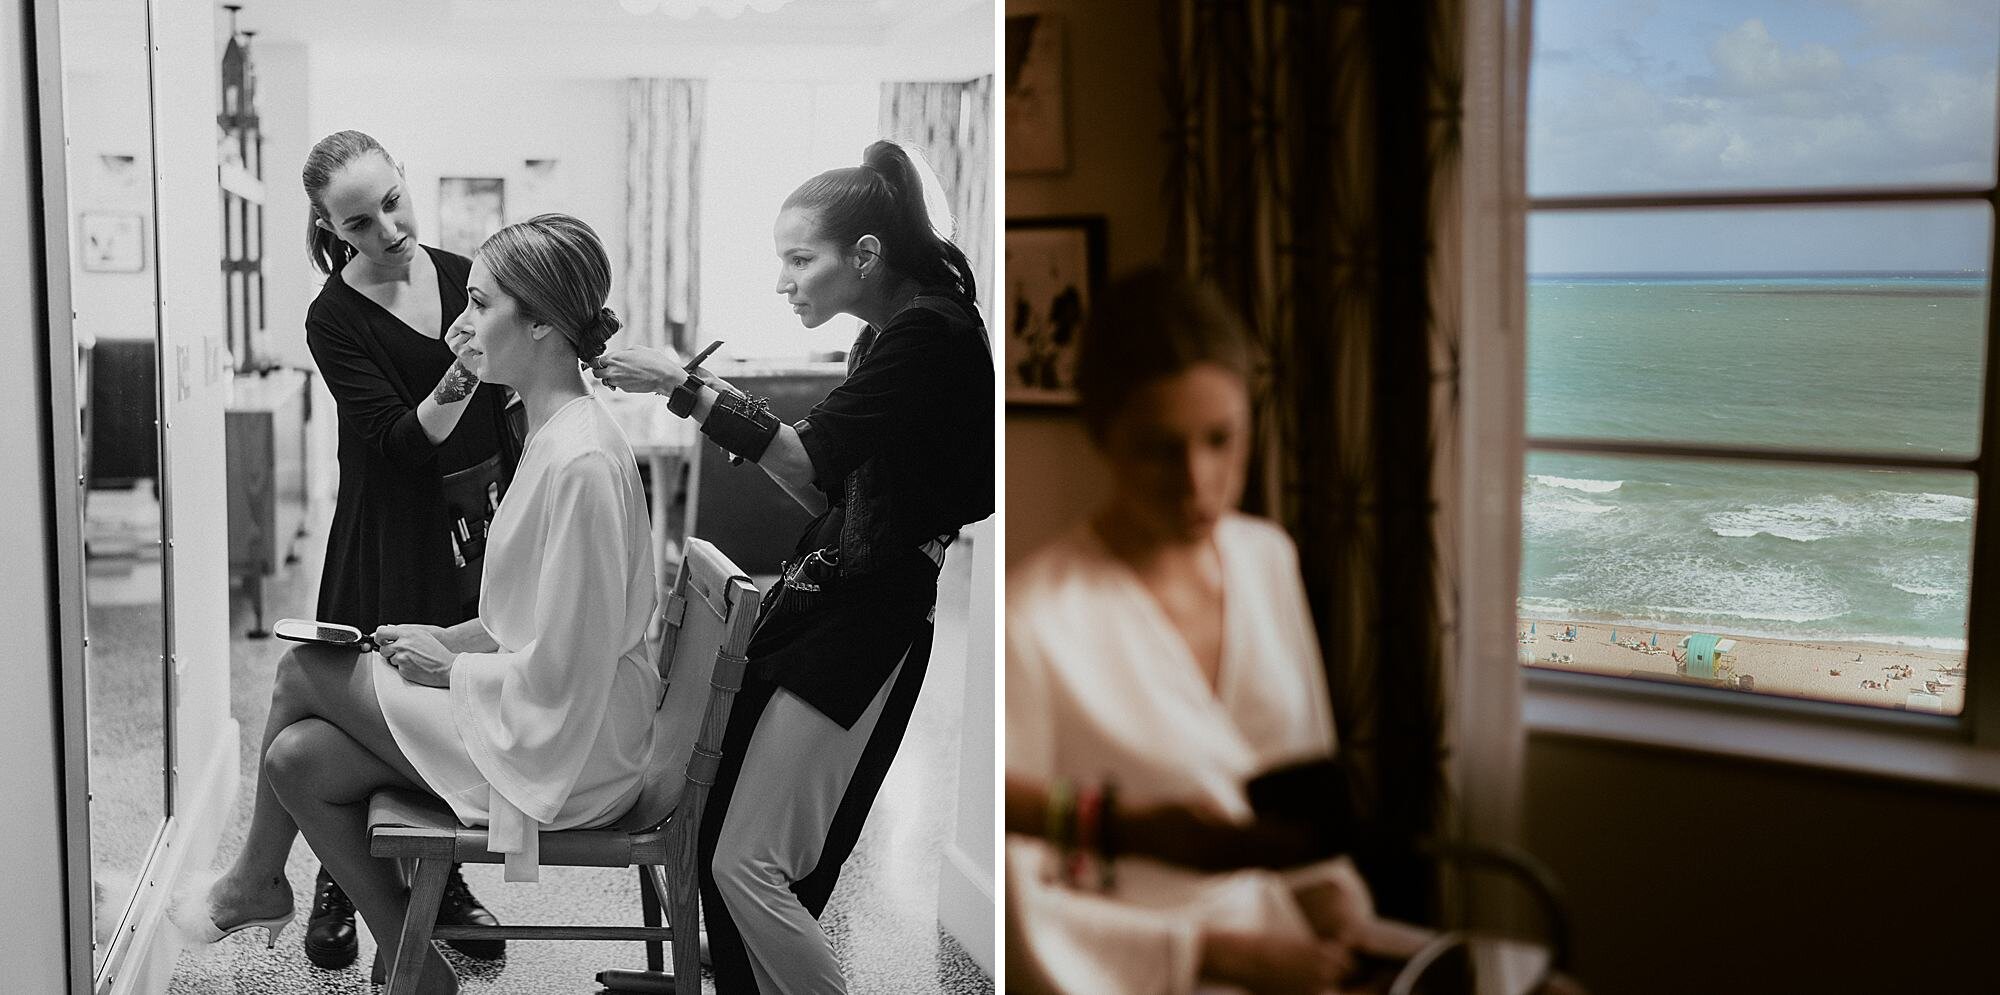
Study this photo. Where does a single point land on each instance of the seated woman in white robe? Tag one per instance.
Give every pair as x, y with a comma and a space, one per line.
536, 715
1161, 653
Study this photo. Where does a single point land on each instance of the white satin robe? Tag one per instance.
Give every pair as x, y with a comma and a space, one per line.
555, 729
1100, 684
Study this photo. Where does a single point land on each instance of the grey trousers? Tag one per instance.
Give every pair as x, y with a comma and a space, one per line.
794, 775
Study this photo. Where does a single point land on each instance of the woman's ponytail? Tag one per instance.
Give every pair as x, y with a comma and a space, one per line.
325, 249
937, 260
884, 197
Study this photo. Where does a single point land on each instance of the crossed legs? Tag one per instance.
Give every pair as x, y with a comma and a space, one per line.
326, 749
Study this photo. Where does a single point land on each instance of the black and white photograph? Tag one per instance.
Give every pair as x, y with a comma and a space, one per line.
513, 474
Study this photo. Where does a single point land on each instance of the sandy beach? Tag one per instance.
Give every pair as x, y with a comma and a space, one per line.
1875, 674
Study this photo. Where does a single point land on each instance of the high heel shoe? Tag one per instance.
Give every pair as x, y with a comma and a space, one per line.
207, 931
196, 918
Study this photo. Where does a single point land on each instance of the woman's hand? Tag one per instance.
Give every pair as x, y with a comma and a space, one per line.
438, 632
1204, 838
1341, 909
1274, 964
713, 382
417, 653
642, 369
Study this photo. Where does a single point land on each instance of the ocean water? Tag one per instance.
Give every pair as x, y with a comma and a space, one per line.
1880, 363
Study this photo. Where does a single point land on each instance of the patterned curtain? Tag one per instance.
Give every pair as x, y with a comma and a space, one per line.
1313, 172
952, 124
663, 124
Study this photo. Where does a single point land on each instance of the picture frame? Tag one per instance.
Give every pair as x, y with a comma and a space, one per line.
469, 209
113, 241
1055, 266
1037, 94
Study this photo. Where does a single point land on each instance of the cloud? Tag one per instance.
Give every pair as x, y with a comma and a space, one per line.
1749, 61
1756, 109
1931, 22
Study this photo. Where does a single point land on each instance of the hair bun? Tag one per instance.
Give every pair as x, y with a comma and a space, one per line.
596, 332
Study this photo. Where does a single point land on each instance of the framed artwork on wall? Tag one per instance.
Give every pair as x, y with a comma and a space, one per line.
1037, 135
469, 209
113, 242
1054, 266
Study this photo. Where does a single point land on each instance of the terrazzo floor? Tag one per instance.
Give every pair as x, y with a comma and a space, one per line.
881, 919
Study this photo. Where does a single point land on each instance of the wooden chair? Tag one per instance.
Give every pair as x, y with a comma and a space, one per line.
709, 616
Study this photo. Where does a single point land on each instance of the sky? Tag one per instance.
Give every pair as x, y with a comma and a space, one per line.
1656, 96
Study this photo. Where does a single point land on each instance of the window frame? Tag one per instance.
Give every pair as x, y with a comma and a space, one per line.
1961, 750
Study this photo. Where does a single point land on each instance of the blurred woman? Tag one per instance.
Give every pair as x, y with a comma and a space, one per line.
893, 462
1160, 655
425, 451
536, 715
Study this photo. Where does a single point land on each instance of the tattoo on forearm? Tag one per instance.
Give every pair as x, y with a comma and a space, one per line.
457, 385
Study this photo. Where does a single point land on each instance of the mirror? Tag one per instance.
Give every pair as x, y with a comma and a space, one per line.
114, 294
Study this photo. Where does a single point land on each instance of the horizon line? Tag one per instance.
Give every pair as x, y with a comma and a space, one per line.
1742, 274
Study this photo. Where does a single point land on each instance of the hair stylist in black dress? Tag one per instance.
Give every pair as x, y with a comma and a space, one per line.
424, 447
894, 461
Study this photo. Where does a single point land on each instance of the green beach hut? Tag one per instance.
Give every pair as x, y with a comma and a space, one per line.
1701, 652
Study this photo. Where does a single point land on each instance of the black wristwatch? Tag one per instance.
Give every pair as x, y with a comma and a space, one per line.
684, 397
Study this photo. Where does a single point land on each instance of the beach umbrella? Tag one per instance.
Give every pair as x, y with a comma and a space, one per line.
1614, 635
1531, 628
1656, 640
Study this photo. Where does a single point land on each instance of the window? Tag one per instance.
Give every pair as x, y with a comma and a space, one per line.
1759, 320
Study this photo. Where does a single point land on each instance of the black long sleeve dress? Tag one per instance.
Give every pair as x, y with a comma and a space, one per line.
903, 451
390, 555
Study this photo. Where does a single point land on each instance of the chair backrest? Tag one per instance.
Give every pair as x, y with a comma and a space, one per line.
709, 614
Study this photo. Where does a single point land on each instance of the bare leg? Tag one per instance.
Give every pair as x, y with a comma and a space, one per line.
312, 682
324, 777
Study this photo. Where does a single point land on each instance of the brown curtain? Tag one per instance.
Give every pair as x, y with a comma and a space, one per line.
1313, 177
663, 129
952, 124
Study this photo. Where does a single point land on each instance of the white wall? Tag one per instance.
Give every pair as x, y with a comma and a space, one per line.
284, 100
479, 125
104, 74
107, 116
968, 890
193, 343
761, 140
32, 930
